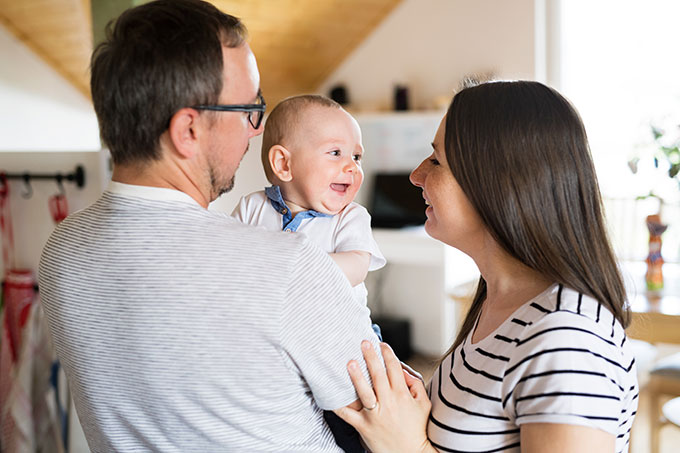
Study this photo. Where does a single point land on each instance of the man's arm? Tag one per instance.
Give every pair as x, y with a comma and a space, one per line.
322, 325
354, 264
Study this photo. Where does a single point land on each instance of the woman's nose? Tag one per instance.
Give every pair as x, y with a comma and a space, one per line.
416, 176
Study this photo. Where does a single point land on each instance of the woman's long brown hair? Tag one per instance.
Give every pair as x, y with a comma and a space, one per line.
520, 153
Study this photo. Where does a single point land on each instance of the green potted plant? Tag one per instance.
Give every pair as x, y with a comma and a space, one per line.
665, 154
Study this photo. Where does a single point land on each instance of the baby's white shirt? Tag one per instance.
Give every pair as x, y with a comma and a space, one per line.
349, 230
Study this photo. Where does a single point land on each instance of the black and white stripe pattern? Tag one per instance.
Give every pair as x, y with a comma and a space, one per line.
560, 358
181, 329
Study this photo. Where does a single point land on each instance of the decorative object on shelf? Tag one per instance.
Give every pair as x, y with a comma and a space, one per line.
654, 275
339, 94
401, 98
659, 159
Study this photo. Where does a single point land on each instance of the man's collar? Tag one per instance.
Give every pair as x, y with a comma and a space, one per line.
149, 192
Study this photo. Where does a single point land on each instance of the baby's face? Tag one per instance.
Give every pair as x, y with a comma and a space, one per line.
325, 161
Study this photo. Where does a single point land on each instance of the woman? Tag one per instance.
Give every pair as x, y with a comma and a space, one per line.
541, 361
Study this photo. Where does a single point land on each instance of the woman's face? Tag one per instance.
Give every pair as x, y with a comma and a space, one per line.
450, 216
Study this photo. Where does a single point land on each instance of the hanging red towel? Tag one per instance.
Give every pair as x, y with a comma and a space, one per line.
28, 415
18, 295
6, 225
16, 418
58, 207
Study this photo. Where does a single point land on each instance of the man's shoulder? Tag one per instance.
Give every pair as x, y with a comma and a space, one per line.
276, 245
266, 238
119, 216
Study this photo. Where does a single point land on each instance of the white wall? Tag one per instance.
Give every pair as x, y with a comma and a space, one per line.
39, 110
431, 44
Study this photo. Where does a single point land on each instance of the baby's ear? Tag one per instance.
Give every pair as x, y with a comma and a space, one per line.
279, 161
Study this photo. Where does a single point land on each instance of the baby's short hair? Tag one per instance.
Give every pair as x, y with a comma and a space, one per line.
283, 121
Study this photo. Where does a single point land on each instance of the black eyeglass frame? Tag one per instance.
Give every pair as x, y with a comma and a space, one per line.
250, 108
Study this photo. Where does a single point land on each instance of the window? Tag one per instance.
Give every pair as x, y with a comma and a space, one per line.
617, 62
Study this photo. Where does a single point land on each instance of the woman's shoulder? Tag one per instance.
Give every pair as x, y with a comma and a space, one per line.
565, 320
571, 363
563, 308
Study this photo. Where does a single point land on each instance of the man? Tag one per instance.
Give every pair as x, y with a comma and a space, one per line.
181, 329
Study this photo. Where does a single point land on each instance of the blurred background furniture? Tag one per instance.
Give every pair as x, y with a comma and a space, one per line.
656, 321
664, 382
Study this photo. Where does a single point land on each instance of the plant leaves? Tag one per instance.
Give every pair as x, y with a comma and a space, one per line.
673, 171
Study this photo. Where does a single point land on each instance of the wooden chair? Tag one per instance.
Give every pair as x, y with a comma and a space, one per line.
664, 382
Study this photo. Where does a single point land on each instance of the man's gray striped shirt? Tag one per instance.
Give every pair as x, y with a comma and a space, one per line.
181, 329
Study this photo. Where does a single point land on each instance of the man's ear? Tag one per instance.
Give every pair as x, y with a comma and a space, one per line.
184, 132
279, 161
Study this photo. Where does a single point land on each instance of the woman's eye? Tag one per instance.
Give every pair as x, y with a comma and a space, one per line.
434, 161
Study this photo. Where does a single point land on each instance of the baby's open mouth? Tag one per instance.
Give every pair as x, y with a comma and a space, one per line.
339, 187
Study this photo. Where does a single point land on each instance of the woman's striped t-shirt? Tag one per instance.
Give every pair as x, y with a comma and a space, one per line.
560, 358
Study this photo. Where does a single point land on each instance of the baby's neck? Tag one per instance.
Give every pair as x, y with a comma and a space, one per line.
294, 208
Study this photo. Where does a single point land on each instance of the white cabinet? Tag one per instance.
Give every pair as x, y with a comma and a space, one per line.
417, 283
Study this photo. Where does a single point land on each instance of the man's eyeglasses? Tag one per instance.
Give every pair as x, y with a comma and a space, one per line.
255, 111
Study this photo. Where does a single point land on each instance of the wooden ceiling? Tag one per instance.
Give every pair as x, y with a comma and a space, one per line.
58, 31
298, 43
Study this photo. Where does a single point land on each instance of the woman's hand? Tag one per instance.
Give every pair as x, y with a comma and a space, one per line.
394, 416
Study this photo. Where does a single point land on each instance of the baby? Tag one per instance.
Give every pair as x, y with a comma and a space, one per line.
311, 153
